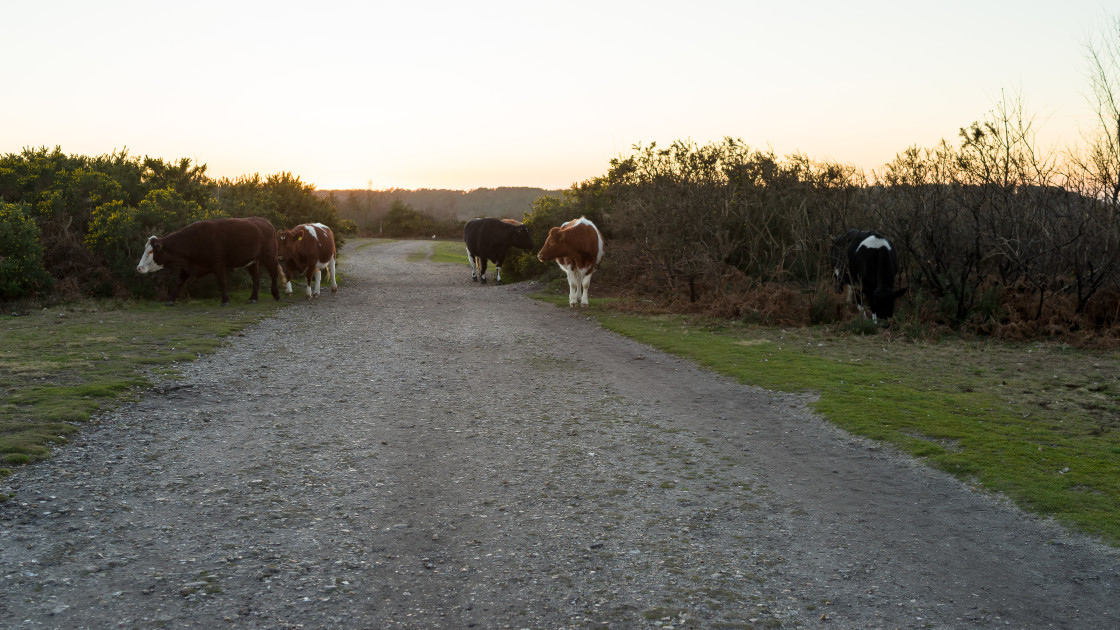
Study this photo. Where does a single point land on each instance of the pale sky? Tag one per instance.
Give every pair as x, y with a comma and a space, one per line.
464, 95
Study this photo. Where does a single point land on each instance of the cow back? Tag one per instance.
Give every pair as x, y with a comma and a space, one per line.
211, 243
491, 238
868, 261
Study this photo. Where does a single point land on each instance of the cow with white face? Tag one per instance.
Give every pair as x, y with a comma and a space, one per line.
577, 246
213, 246
867, 264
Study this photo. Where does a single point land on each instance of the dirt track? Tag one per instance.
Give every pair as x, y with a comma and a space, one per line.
420, 451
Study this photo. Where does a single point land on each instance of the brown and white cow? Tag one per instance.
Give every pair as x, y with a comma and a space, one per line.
577, 246
212, 246
307, 249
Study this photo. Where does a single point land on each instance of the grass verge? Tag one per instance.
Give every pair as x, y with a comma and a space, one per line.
444, 252
1038, 423
60, 365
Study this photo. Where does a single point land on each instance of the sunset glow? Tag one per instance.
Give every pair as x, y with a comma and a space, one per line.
468, 95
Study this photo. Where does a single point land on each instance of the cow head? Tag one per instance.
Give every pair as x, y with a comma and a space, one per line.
286, 242
882, 301
153, 249
521, 237
549, 251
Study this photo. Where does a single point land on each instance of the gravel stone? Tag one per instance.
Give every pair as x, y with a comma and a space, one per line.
420, 451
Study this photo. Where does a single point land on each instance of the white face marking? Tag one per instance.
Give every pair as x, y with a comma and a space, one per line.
147, 261
874, 242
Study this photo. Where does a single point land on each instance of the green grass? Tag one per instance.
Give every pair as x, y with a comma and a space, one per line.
60, 365
1038, 423
443, 252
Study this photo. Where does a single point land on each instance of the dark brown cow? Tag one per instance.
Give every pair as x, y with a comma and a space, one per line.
489, 239
577, 246
307, 249
212, 246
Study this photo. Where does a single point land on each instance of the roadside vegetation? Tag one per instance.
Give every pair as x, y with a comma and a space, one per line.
996, 235
74, 227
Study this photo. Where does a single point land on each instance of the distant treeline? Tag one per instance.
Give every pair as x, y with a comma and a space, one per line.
369, 208
75, 226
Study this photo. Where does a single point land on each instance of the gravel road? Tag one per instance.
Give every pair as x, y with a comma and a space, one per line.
419, 451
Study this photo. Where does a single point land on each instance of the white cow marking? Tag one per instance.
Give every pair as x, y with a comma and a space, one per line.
874, 242
148, 262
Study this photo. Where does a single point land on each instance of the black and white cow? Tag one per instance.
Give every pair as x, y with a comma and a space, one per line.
866, 262
490, 239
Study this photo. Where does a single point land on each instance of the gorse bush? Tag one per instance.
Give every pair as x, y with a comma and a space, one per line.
21, 254
118, 233
92, 216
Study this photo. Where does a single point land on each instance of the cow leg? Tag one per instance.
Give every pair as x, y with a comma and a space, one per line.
499, 272
474, 265
274, 271
220, 276
183, 277
481, 269
573, 285
331, 269
254, 271
318, 281
309, 276
586, 284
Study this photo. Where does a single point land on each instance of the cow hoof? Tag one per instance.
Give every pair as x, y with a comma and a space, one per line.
483, 281
227, 303
334, 290
250, 301
499, 283
172, 303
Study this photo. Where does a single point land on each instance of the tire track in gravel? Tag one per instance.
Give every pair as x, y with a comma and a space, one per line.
419, 451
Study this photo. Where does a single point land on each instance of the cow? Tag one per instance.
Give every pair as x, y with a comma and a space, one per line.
866, 261
489, 239
307, 249
577, 246
212, 246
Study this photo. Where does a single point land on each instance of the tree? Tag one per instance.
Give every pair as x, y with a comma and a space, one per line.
1102, 162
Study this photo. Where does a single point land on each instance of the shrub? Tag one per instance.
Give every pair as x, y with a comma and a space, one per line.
118, 234
21, 254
